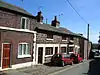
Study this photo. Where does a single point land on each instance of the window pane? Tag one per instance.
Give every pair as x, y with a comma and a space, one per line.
27, 23
23, 23
20, 49
50, 35
24, 49
63, 49
27, 49
63, 37
49, 51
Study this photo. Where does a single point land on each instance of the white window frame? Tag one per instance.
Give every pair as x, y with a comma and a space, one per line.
25, 22
23, 55
65, 50
49, 54
64, 40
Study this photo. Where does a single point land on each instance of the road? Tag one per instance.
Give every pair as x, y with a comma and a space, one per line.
86, 68
80, 69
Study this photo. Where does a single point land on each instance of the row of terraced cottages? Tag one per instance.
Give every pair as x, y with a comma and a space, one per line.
25, 40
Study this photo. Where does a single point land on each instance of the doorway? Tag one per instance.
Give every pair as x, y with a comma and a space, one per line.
56, 50
40, 55
6, 55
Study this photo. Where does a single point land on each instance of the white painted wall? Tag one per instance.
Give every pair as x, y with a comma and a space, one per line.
48, 45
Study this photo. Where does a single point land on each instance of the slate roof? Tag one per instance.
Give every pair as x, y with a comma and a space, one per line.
61, 30
13, 8
54, 29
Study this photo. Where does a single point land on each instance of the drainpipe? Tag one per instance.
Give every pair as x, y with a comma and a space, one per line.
34, 50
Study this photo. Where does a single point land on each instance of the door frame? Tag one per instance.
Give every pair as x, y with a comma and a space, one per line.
2, 54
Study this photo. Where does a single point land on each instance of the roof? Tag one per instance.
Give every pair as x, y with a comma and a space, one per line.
54, 29
13, 8
61, 30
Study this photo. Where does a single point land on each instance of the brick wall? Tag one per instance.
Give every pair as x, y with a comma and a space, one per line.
42, 38
13, 20
14, 38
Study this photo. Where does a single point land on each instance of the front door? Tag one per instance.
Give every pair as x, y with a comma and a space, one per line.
40, 55
6, 56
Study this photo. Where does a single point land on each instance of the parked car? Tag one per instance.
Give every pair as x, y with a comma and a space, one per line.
76, 58
61, 59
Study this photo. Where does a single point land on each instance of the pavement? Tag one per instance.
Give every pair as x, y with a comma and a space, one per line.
47, 69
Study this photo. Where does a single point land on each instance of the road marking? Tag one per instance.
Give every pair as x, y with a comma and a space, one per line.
67, 68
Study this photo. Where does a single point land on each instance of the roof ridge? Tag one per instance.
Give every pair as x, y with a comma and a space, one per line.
12, 5
9, 6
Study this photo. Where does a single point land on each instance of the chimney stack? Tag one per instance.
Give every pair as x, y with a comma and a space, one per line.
39, 17
55, 22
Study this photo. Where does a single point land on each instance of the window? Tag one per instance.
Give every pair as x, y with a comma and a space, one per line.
63, 37
23, 50
71, 49
63, 49
49, 51
50, 36
25, 23
71, 38
56, 50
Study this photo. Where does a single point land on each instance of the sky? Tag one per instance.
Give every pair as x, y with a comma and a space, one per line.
88, 9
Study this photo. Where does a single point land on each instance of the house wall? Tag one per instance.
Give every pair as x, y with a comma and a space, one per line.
43, 41
42, 38
89, 48
14, 38
13, 20
85, 49
77, 45
82, 47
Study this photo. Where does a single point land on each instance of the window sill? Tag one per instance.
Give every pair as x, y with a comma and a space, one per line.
48, 55
23, 56
49, 39
25, 29
71, 45
64, 40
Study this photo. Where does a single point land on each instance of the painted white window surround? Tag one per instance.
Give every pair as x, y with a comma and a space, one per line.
48, 55
15, 29
23, 50
63, 49
49, 51
25, 22
64, 40
49, 39
23, 56
71, 45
